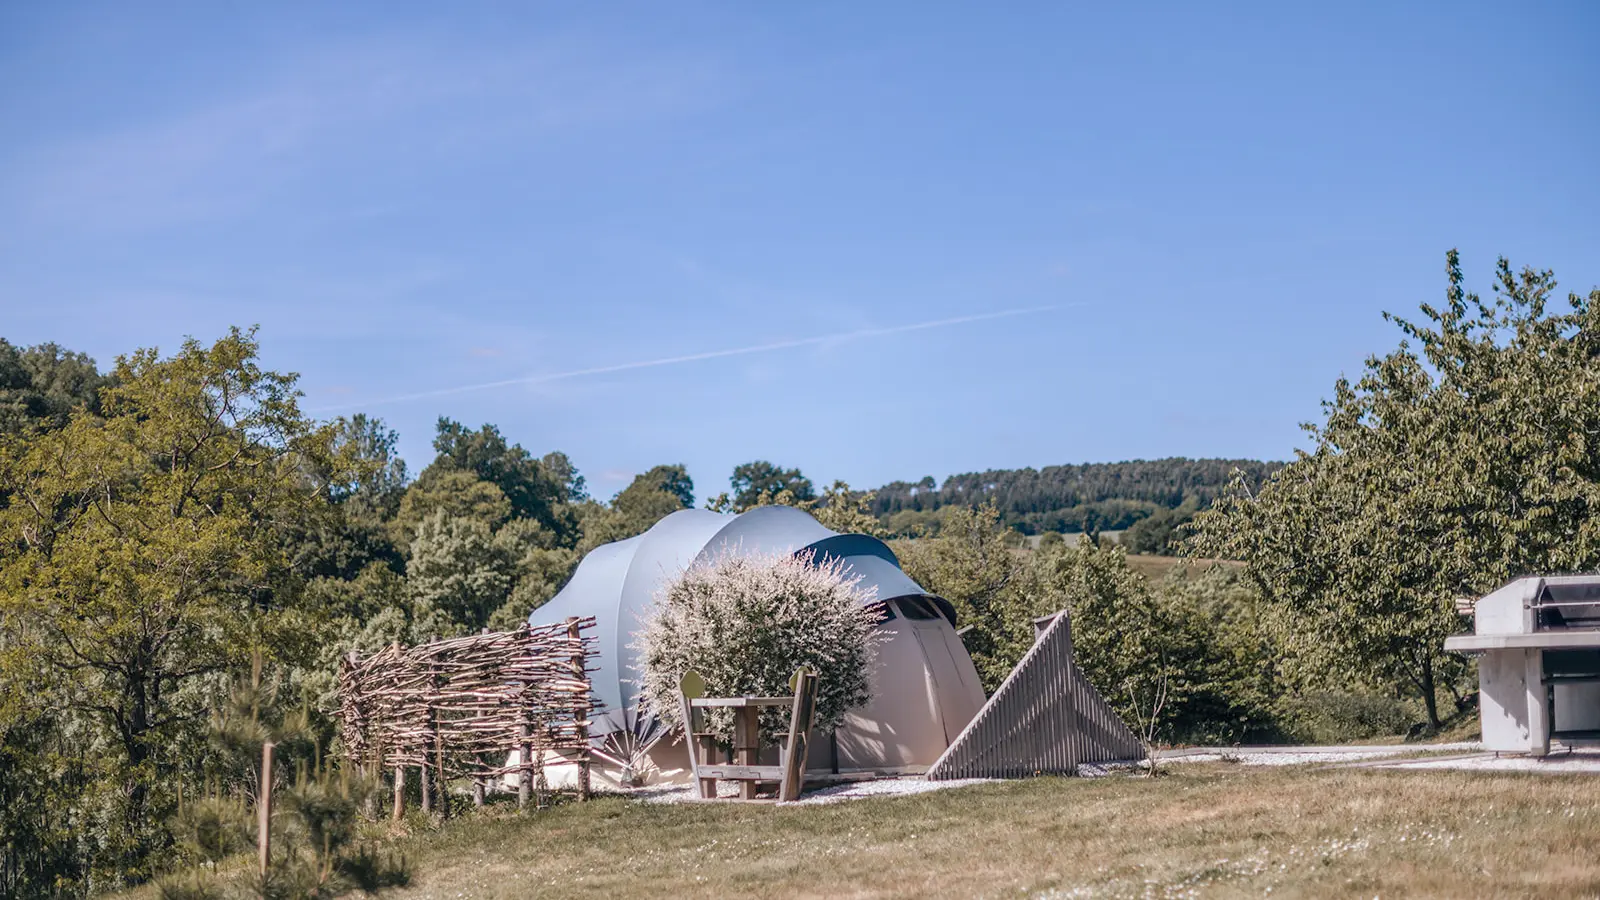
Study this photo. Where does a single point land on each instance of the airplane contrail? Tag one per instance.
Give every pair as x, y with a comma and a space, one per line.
694, 357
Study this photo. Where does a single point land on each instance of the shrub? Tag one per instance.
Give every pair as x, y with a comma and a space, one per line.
1335, 716
1192, 639
745, 623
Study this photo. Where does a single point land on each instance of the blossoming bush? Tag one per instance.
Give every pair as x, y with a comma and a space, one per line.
745, 623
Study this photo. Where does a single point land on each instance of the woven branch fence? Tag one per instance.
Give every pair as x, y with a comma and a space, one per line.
458, 708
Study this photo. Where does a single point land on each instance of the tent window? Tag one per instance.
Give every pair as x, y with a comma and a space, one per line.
918, 608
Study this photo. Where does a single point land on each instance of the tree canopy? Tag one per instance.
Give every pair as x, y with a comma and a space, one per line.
536, 489
143, 549
1458, 460
752, 479
40, 386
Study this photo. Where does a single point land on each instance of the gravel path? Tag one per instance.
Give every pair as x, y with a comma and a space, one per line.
1294, 756
1468, 755
883, 787
838, 793
1579, 761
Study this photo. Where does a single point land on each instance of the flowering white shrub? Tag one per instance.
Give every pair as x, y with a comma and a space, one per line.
745, 623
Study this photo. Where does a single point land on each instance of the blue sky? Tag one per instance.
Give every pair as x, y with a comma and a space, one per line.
1147, 230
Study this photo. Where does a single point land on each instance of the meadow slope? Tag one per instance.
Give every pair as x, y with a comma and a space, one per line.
1203, 830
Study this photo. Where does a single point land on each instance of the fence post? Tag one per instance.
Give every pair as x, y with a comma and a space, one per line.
581, 711
525, 782
399, 756
427, 788
443, 786
264, 809
399, 791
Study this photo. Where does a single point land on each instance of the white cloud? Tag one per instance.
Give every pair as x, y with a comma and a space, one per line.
754, 349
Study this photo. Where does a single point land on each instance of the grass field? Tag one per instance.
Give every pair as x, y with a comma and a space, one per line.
1156, 568
1203, 830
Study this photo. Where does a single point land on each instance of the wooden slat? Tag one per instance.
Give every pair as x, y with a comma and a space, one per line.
1046, 718
801, 717
741, 702
747, 745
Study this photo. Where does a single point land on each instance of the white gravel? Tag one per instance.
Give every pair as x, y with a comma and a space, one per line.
1580, 761
838, 793
1294, 756
883, 787
1467, 755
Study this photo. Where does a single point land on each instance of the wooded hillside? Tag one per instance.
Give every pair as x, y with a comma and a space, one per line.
1069, 498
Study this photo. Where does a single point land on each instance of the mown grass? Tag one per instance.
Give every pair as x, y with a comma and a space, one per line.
1155, 568
1203, 830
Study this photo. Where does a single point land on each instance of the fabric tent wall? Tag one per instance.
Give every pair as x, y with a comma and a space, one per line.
925, 686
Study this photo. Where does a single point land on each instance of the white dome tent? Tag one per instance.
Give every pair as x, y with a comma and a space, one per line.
925, 688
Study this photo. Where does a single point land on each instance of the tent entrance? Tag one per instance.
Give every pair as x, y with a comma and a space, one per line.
939, 644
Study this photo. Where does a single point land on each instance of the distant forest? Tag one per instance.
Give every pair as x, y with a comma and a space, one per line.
1072, 498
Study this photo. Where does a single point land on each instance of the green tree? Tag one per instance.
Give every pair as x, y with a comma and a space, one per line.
671, 479
1072, 498
970, 564
846, 511
457, 576
540, 568
375, 491
143, 550
1160, 532
360, 529
536, 490
753, 479
1458, 460
560, 469
461, 495
41, 386
42, 784
654, 495
840, 508
1192, 640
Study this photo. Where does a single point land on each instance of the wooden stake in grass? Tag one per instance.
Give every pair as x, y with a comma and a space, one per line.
581, 712
439, 777
525, 780
399, 792
427, 791
264, 809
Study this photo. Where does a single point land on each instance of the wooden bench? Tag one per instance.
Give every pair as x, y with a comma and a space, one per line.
742, 767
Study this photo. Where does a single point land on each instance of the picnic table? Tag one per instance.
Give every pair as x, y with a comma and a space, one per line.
745, 750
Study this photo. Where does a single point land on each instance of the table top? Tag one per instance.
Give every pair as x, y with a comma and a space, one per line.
741, 701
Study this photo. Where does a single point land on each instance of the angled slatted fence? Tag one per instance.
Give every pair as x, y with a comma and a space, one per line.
1046, 718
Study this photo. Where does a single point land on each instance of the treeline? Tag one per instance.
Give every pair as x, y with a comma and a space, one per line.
1148, 499
1160, 493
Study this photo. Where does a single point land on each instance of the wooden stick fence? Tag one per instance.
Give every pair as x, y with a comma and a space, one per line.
458, 708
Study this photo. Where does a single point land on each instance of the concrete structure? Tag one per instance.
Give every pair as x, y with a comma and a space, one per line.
1537, 640
925, 688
